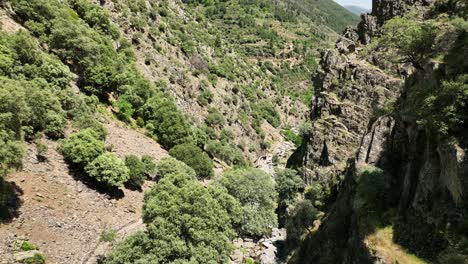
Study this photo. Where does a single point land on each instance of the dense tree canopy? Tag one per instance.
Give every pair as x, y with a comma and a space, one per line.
108, 169
186, 223
256, 192
195, 158
413, 40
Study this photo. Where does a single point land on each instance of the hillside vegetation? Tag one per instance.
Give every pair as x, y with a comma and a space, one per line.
210, 81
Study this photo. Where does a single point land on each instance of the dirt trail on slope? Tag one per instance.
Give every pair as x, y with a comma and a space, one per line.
63, 214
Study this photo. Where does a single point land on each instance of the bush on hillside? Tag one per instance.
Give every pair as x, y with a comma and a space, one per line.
139, 169
82, 147
170, 165
194, 157
108, 169
225, 152
256, 192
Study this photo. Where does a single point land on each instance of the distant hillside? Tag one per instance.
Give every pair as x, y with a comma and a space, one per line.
357, 9
325, 13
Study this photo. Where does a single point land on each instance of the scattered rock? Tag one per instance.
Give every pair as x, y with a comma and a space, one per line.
22, 256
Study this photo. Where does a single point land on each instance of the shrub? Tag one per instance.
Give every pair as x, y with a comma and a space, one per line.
36, 259
170, 165
108, 169
137, 171
289, 135
256, 192
125, 110
214, 118
89, 121
288, 184
108, 235
443, 108
194, 157
82, 147
267, 111
225, 152
316, 193
149, 164
11, 153
41, 150
300, 219
26, 246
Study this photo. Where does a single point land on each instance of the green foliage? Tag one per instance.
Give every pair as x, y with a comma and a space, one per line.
11, 153
95, 17
267, 111
171, 127
256, 192
138, 170
185, 224
289, 135
443, 108
36, 259
108, 235
126, 110
26, 246
412, 40
316, 193
108, 169
300, 219
225, 152
205, 98
90, 122
214, 118
288, 184
373, 197
82, 147
194, 157
102, 68
41, 149
170, 165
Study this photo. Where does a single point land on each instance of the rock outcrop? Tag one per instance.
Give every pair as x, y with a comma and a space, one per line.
423, 177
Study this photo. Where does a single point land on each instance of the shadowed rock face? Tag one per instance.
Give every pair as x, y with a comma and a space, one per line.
427, 176
387, 9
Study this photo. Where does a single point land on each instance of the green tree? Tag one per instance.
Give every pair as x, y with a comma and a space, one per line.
288, 184
412, 39
185, 224
82, 147
108, 169
137, 171
300, 219
170, 165
11, 153
195, 158
256, 192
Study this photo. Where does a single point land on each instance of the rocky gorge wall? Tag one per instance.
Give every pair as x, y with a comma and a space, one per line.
424, 178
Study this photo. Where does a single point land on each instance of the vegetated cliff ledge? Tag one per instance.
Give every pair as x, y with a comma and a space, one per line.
397, 189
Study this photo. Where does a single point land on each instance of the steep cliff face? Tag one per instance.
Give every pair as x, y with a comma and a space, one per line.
401, 191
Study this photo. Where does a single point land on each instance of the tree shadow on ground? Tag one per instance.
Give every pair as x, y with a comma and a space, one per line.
132, 187
79, 174
10, 201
